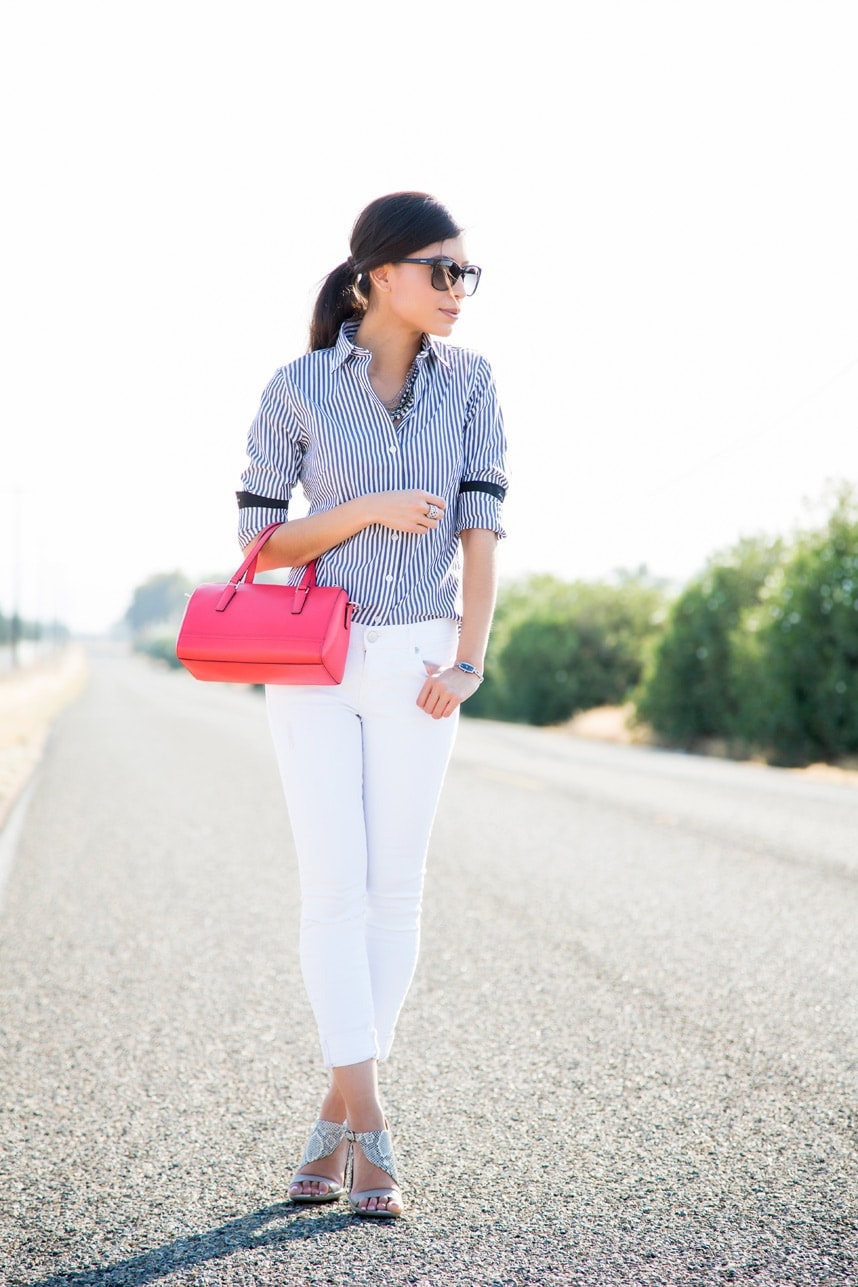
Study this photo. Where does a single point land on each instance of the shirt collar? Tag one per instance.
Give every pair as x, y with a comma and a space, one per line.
345, 346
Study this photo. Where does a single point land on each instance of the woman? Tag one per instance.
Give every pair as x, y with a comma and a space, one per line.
398, 443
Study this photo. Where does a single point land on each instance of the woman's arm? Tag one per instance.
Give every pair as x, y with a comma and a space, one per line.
479, 593
299, 540
447, 689
275, 452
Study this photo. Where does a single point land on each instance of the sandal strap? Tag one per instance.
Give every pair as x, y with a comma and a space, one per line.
377, 1148
325, 1139
301, 1177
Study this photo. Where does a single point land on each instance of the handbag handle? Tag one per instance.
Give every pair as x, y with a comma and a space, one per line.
248, 570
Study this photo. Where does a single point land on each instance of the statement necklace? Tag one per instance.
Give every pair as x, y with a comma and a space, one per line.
405, 399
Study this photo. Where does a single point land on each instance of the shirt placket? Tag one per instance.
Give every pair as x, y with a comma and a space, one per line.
394, 545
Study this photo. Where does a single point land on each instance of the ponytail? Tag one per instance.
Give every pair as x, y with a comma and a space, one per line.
338, 299
390, 228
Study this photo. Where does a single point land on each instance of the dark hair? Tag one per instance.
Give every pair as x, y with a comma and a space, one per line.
389, 228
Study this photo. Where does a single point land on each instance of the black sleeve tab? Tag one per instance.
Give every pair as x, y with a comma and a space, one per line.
247, 500
491, 488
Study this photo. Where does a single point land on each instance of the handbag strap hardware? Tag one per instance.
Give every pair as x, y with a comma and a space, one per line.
226, 598
248, 569
300, 598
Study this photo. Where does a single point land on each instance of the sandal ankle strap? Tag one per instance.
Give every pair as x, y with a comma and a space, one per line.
377, 1148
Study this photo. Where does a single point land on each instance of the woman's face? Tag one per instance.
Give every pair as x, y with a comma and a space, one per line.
413, 299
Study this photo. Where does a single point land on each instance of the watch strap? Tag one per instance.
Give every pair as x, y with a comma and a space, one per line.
469, 669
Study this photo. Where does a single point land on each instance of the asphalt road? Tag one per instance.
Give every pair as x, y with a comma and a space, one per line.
629, 1056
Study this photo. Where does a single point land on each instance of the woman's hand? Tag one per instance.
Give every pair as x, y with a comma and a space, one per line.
301, 539
405, 511
445, 690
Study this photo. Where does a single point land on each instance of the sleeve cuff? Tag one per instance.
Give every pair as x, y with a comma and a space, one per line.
479, 509
252, 520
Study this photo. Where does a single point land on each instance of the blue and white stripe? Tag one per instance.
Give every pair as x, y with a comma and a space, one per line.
321, 426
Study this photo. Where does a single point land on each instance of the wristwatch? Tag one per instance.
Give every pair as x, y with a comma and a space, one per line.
470, 670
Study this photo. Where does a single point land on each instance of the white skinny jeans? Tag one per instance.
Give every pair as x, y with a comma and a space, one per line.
362, 768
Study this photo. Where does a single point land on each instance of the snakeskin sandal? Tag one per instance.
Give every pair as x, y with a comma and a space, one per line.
325, 1139
377, 1147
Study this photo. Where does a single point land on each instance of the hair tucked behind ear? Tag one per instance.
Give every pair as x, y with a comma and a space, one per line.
388, 229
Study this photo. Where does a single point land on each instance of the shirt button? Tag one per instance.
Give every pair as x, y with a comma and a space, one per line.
388, 578
392, 450
395, 536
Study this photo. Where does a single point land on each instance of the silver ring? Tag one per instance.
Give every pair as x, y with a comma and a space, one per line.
434, 512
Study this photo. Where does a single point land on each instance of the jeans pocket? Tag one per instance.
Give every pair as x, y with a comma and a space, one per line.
435, 645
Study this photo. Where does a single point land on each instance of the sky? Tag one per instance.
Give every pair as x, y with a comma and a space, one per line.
663, 197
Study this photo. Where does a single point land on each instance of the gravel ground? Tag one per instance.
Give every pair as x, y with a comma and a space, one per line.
629, 1056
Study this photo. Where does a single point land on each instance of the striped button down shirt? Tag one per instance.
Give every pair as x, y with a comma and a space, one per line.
321, 425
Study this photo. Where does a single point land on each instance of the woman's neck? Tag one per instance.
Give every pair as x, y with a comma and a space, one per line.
393, 348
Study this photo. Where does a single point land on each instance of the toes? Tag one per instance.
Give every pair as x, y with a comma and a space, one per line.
391, 1204
309, 1189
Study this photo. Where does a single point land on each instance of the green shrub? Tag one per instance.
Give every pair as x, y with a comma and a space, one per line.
688, 693
796, 657
160, 643
558, 648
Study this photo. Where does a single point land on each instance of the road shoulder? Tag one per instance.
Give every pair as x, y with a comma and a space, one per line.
31, 698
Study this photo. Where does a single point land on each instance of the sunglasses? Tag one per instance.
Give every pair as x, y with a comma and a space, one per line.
446, 272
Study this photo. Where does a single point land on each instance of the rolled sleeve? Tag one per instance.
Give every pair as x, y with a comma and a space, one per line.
274, 453
484, 479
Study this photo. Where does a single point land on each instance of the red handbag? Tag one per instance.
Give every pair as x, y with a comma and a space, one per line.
248, 632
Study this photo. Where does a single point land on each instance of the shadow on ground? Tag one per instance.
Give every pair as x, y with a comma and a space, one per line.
249, 1232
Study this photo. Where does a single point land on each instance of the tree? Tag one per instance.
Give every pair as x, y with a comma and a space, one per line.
160, 599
